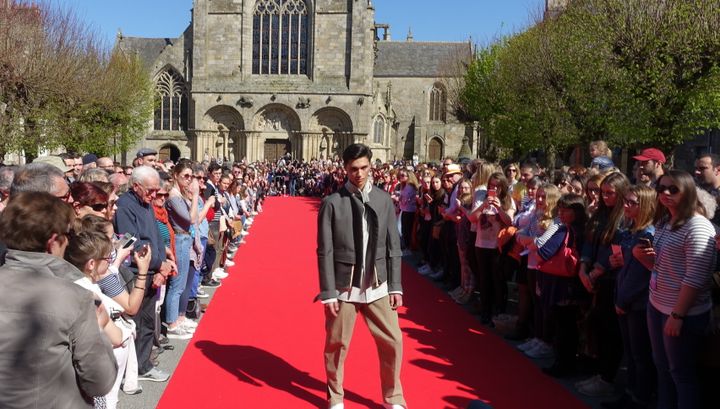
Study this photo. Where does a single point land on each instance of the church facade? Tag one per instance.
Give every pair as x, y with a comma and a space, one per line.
254, 79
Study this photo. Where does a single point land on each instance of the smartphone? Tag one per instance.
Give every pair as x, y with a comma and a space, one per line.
127, 241
492, 193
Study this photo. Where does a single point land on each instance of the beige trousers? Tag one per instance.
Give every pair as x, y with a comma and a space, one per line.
382, 321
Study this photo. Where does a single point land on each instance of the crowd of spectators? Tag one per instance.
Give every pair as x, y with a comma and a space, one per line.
610, 269
106, 264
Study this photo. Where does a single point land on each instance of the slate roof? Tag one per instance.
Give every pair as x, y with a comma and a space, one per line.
148, 49
417, 59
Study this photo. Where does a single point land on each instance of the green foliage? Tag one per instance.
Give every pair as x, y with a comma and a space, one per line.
60, 89
632, 72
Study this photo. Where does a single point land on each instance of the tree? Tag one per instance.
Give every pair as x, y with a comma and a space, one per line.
61, 88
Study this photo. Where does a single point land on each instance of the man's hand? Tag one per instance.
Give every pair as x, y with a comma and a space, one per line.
332, 308
395, 301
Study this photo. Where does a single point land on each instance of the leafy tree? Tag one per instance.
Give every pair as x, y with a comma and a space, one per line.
60, 88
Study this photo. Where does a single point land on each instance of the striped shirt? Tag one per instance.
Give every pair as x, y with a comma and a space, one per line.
685, 256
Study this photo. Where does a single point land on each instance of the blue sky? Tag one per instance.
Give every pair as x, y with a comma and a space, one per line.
431, 20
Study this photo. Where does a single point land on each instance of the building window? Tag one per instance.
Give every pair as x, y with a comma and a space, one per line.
379, 130
171, 102
280, 37
438, 103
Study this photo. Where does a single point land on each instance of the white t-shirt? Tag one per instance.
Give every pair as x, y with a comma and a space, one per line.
488, 227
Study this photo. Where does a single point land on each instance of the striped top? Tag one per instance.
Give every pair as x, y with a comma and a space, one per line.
685, 256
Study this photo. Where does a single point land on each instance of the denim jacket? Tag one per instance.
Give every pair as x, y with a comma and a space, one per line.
631, 287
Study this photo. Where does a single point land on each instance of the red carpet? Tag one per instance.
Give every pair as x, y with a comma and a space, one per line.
260, 343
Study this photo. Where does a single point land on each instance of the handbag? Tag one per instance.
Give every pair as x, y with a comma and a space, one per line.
564, 263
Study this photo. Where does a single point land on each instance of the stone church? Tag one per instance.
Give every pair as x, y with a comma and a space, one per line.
254, 79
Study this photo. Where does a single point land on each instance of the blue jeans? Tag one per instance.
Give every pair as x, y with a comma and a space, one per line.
176, 286
676, 359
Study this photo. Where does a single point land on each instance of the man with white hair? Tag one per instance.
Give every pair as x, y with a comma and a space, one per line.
41, 177
135, 216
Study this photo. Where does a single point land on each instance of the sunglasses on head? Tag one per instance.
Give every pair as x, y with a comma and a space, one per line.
672, 189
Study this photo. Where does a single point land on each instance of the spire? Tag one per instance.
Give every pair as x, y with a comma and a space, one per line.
410, 37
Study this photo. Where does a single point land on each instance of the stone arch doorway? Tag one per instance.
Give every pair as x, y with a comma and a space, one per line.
435, 150
335, 130
276, 123
276, 148
169, 152
225, 126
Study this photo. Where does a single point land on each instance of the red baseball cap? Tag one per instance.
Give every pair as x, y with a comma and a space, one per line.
651, 154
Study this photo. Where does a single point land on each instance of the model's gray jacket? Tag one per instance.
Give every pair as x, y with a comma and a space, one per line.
339, 221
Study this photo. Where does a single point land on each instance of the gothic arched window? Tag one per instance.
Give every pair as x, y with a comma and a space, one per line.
438, 102
171, 102
280, 37
379, 130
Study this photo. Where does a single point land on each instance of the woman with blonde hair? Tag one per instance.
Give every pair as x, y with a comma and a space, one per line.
542, 225
407, 202
631, 294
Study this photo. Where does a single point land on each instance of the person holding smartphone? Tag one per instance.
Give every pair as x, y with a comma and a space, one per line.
681, 261
631, 295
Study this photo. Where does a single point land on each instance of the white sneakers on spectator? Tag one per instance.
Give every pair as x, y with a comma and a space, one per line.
244, 233
154, 375
189, 325
179, 332
540, 351
597, 387
219, 273
392, 406
229, 263
202, 294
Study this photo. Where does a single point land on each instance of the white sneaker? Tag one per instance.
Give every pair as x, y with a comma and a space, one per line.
219, 274
188, 323
229, 263
178, 333
244, 233
202, 294
393, 406
254, 213
528, 345
542, 350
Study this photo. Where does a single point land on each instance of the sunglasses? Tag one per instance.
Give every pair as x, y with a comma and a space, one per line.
632, 203
162, 195
98, 207
187, 176
671, 189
